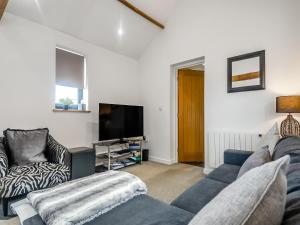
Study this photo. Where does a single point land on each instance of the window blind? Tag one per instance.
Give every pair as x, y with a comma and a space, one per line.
69, 69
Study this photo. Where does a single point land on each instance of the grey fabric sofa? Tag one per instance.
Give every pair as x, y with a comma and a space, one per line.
144, 210
195, 198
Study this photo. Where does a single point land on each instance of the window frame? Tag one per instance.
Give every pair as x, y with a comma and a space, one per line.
80, 91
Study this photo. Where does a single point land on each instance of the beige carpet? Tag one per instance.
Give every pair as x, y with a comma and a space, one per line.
164, 182
167, 182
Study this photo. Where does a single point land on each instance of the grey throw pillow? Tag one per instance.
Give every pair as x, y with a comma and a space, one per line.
256, 198
26, 146
270, 139
258, 158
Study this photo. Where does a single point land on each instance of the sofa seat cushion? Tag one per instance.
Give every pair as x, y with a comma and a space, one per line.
144, 210
24, 179
225, 173
196, 197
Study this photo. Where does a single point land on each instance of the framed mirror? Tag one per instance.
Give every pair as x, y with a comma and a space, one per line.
246, 72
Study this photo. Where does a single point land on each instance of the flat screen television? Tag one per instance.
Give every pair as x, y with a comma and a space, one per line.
120, 121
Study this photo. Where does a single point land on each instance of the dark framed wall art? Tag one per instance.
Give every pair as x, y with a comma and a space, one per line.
246, 72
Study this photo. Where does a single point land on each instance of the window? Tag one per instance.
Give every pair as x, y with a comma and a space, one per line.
70, 91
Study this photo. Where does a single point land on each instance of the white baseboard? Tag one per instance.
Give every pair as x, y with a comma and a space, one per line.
162, 161
206, 170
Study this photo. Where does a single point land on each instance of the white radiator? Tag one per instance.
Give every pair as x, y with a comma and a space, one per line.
218, 142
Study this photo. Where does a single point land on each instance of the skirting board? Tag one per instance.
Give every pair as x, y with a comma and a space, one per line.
162, 161
207, 171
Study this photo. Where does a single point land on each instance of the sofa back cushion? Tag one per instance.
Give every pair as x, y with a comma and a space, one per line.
256, 198
287, 145
3, 159
258, 158
26, 146
291, 146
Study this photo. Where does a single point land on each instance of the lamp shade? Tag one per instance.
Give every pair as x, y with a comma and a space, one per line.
288, 104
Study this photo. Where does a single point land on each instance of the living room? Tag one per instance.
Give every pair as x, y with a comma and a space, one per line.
131, 54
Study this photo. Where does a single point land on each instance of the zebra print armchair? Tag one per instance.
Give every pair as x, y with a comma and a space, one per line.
19, 180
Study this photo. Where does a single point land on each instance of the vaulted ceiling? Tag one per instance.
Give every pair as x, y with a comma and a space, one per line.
106, 23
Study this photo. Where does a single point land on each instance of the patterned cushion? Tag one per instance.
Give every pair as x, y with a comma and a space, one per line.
56, 152
24, 179
3, 161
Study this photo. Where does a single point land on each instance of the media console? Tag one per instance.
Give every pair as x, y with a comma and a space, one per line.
130, 153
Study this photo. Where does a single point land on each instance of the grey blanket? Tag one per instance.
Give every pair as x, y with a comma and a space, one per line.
82, 200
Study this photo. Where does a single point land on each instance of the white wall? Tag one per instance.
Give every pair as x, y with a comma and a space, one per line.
217, 30
27, 81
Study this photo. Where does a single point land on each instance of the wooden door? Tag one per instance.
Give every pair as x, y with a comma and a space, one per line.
190, 116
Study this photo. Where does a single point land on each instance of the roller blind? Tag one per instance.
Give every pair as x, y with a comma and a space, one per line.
69, 69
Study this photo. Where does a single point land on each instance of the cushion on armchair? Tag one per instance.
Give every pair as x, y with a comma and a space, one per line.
56, 153
26, 146
24, 179
3, 160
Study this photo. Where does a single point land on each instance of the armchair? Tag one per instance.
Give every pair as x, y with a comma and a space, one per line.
20, 180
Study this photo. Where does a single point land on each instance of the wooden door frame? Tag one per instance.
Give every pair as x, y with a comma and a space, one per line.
174, 104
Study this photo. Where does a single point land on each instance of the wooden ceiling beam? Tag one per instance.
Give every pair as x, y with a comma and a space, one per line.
3, 4
141, 13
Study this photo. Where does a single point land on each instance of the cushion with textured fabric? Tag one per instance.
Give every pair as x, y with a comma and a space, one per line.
56, 152
26, 146
270, 139
3, 160
256, 198
225, 173
24, 179
258, 158
197, 196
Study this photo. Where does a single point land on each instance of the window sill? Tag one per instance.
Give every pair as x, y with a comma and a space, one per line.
71, 110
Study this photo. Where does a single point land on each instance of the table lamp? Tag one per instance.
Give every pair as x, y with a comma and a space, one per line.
289, 104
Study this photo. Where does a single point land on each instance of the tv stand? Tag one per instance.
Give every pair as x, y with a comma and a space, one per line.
131, 153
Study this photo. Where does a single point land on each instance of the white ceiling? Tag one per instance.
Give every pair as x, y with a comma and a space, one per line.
98, 21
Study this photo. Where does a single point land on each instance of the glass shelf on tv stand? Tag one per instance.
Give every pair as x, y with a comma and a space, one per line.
108, 157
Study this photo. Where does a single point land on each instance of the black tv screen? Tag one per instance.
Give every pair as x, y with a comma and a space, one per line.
120, 121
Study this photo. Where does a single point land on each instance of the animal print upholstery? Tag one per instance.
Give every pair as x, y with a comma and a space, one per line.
56, 152
24, 179
3, 161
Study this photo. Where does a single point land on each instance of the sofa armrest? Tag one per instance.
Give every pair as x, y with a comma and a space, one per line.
57, 153
236, 157
83, 161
